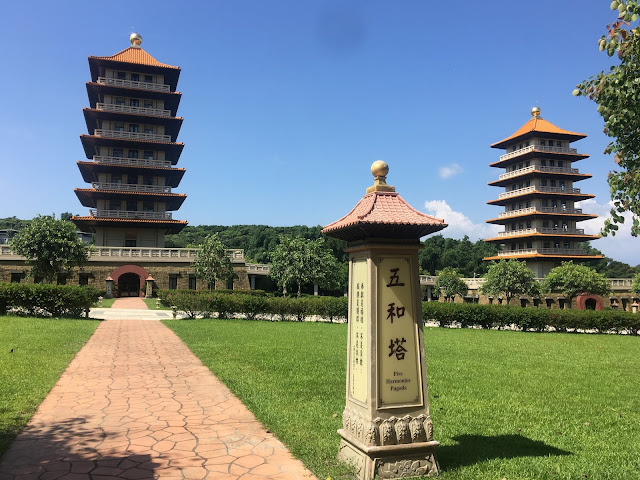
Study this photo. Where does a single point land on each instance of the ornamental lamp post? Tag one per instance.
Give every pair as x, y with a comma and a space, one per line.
386, 427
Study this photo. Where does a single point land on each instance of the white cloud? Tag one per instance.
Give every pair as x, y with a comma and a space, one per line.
623, 247
450, 170
459, 224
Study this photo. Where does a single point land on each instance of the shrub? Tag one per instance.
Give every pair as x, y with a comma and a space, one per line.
331, 308
47, 299
527, 319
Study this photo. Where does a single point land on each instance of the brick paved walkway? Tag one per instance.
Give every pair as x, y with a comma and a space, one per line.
135, 403
132, 303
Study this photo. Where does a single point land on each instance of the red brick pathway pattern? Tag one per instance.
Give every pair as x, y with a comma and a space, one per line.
133, 303
135, 404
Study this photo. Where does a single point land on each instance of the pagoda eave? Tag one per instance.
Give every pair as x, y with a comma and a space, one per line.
90, 170
573, 236
544, 256
90, 142
89, 196
568, 136
576, 197
575, 177
171, 124
568, 216
89, 224
97, 66
572, 157
171, 99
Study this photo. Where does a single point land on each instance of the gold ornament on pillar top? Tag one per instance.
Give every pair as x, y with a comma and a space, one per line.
135, 39
535, 111
379, 170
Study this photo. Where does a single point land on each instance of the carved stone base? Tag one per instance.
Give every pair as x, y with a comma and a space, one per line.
388, 462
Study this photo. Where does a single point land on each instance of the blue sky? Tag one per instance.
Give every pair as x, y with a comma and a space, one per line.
287, 103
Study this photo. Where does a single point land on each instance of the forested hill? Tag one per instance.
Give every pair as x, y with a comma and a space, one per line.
256, 240
437, 252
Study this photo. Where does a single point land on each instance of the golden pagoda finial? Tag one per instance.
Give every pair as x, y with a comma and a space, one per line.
380, 169
136, 40
535, 111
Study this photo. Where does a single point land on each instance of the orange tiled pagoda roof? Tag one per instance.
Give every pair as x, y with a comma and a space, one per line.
537, 125
135, 55
383, 214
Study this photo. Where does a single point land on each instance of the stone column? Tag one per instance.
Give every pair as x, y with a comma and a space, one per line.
148, 287
428, 293
252, 282
315, 289
386, 427
109, 288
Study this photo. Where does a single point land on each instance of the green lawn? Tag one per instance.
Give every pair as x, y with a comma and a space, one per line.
33, 354
505, 404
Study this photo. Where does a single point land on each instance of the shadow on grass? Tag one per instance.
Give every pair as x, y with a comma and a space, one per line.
68, 446
472, 449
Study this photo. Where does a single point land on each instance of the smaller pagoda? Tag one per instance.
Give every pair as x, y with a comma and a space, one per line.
540, 216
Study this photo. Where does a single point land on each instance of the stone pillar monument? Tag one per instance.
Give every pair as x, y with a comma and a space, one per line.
387, 430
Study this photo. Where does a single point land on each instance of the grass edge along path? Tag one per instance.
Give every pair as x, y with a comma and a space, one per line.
505, 404
34, 352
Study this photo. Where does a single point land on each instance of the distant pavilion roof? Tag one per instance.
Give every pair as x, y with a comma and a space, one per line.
537, 124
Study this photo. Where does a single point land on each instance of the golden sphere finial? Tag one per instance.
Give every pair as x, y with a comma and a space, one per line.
535, 111
379, 168
135, 39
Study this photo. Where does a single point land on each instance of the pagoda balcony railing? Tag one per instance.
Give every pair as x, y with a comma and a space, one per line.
159, 87
537, 148
111, 107
515, 213
553, 231
150, 252
539, 168
543, 251
132, 135
130, 214
131, 187
258, 269
132, 162
522, 211
537, 188
559, 210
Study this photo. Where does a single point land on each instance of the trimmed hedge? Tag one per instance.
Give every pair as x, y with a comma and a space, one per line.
45, 299
526, 319
254, 305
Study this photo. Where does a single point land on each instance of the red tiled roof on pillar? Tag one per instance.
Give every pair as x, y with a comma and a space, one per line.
380, 209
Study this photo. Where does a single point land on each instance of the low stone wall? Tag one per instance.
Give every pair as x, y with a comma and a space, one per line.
97, 273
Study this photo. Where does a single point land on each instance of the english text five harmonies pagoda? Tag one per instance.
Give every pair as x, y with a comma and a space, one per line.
540, 216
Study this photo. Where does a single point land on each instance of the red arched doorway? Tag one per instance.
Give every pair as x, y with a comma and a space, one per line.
586, 301
130, 280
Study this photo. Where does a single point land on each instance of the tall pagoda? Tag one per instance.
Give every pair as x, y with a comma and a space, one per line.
540, 217
131, 149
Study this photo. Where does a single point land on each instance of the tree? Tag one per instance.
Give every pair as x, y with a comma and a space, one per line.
212, 262
509, 278
617, 94
298, 261
571, 280
450, 284
50, 246
635, 285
